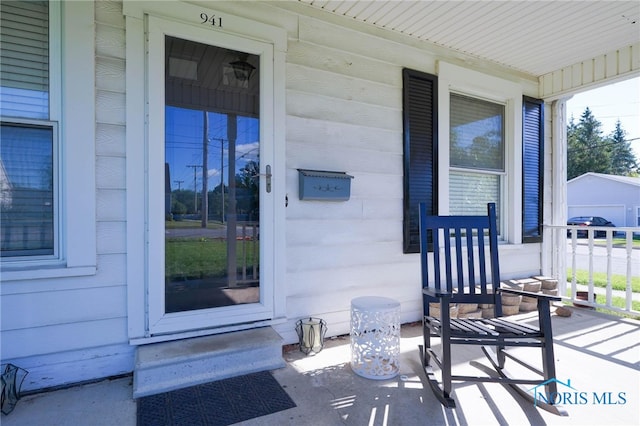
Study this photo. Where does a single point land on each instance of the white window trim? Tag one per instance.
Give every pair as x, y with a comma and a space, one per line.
72, 105
463, 81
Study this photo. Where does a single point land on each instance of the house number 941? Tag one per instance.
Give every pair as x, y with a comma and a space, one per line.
211, 20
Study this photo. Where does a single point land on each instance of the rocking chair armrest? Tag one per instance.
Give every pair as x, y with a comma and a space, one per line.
435, 293
549, 297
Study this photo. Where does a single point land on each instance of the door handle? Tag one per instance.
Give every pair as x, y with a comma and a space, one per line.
268, 176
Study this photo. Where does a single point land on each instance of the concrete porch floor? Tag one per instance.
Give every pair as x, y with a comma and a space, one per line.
599, 354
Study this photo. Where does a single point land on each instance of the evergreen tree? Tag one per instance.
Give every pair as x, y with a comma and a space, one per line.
587, 150
623, 159
574, 151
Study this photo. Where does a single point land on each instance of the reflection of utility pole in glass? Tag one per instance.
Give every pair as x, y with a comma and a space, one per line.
232, 134
205, 170
222, 141
222, 179
195, 186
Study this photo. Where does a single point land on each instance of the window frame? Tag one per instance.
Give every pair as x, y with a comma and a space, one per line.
72, 108
453, 78
53, 125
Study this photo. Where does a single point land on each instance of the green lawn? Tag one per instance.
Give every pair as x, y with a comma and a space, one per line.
618, 302
618, 282
194, 224
617, 241
194, 258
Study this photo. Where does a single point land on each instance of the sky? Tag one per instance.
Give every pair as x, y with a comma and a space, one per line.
184, 153
610, 103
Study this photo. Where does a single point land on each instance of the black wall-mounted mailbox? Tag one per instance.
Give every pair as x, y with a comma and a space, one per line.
324, 185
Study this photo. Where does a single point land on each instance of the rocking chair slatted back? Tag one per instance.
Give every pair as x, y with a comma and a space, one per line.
455, 260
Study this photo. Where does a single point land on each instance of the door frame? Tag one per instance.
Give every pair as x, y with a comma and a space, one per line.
147, 322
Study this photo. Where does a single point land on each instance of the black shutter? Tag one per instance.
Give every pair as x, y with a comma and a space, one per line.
420, 120
532, 169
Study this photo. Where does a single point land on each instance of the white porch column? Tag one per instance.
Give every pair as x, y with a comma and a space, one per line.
554, 243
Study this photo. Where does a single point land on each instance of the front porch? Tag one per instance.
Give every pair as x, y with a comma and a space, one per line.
597, 353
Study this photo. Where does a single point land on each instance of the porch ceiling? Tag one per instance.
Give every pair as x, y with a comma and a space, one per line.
534, 37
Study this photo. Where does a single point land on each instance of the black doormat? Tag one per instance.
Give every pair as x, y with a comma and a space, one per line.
219, 403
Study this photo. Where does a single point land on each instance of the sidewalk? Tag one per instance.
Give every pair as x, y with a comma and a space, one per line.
597, 353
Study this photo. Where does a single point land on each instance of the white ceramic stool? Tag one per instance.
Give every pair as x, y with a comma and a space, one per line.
375, 337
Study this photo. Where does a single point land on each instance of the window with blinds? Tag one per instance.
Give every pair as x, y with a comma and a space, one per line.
27, 151
477, 154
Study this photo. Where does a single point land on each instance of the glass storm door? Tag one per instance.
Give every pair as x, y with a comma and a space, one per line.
212, 188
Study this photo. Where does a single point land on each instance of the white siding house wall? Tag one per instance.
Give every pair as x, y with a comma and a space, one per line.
72, 329
343, 113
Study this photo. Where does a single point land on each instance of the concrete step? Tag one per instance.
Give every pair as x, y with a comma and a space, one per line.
162, 367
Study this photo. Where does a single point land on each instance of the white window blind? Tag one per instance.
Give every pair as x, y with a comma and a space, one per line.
470, 192
477, 133
24, 59
476, 154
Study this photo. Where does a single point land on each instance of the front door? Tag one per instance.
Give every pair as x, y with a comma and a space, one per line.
210, 157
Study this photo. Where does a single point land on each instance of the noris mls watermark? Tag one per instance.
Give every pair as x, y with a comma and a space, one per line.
568, 395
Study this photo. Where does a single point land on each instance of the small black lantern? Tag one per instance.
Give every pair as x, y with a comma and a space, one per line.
311, 333
242, 69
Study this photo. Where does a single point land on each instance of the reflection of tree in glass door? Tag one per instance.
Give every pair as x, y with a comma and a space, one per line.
212, 146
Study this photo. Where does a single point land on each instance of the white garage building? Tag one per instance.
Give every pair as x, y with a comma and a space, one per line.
616, 198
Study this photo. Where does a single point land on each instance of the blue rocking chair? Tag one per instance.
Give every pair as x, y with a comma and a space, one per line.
459, 256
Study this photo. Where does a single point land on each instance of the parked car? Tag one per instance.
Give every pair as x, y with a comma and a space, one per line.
589, 221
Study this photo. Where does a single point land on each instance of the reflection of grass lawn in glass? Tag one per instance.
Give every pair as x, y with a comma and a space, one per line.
193, 224
193, 258
201, 257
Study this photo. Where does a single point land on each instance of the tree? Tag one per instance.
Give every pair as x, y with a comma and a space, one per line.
623, 160
178, 208
219, 201
586, 150
248, 190
589, 151
184, 197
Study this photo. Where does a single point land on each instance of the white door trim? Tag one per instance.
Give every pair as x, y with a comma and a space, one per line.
144, 318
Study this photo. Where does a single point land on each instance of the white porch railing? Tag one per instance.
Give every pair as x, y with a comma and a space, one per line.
615, 254
248, 236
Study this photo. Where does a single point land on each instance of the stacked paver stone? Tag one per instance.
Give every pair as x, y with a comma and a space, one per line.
511, 304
